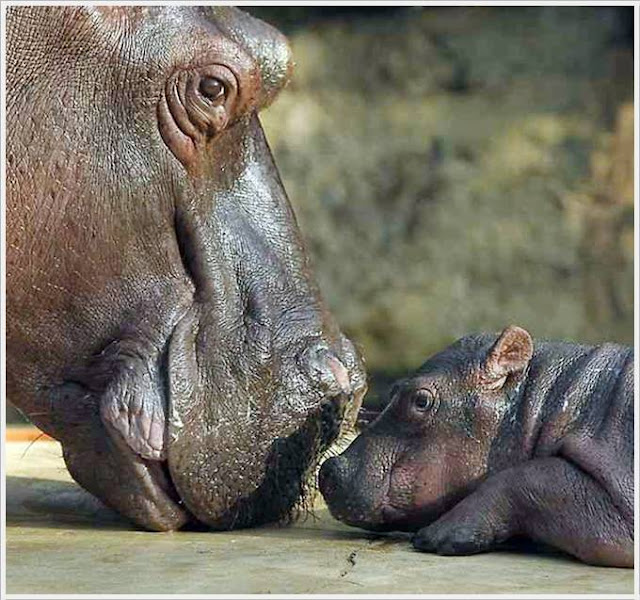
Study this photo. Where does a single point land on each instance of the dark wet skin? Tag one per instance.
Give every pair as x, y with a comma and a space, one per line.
497, 437
162, 319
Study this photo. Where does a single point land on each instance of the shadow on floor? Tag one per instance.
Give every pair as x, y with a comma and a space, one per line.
55, 504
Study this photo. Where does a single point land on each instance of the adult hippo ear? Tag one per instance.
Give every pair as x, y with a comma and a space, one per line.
267, 46
510, 354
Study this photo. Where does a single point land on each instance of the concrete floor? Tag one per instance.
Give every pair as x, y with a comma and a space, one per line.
60, 540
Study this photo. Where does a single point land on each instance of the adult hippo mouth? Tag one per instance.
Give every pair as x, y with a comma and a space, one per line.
288, 465
163, 321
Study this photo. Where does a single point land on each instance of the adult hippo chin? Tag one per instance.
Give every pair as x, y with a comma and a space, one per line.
162, 320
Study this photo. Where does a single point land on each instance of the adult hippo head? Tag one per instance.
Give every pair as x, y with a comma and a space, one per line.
163, 323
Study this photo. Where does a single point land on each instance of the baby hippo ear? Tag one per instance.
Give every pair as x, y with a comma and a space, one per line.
510, 354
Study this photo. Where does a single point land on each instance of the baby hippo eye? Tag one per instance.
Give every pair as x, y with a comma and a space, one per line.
213, 89
423, 400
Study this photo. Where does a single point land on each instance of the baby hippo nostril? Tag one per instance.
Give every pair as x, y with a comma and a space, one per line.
326, 370
330, 476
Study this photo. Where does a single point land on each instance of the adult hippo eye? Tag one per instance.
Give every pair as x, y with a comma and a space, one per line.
213, 89
198, 104
423, 400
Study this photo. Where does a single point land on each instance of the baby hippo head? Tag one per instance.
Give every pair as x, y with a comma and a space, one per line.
432, 443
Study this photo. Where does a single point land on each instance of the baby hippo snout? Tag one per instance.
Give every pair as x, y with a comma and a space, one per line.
347, 500
333, 476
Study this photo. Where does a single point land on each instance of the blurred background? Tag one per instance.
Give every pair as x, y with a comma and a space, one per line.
460, 169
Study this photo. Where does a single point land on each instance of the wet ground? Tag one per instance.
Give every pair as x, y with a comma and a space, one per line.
62, 541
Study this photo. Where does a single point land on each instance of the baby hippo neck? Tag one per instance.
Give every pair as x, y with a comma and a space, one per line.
567, 388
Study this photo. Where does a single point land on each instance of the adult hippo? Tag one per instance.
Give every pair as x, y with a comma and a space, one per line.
162, 320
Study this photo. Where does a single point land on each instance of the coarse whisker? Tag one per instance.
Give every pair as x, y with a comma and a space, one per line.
31, 444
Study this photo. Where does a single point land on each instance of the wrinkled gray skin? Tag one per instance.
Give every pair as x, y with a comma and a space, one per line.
163, 323
496, 437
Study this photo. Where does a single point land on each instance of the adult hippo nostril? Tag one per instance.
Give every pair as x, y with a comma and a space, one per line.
340, 374
325, 370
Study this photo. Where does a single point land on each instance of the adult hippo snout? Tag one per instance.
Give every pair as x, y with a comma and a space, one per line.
163, 321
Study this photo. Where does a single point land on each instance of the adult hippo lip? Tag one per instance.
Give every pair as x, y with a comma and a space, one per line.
163, 322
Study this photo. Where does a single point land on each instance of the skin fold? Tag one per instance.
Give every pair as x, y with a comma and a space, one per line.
498, 437
163, 322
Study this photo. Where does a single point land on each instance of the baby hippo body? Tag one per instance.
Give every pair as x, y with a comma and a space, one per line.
496, 437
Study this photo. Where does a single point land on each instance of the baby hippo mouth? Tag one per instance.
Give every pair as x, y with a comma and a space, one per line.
364, 510
367, 508
372, 501
382, 499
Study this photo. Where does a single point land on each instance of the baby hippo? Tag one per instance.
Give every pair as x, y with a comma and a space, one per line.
496, 437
